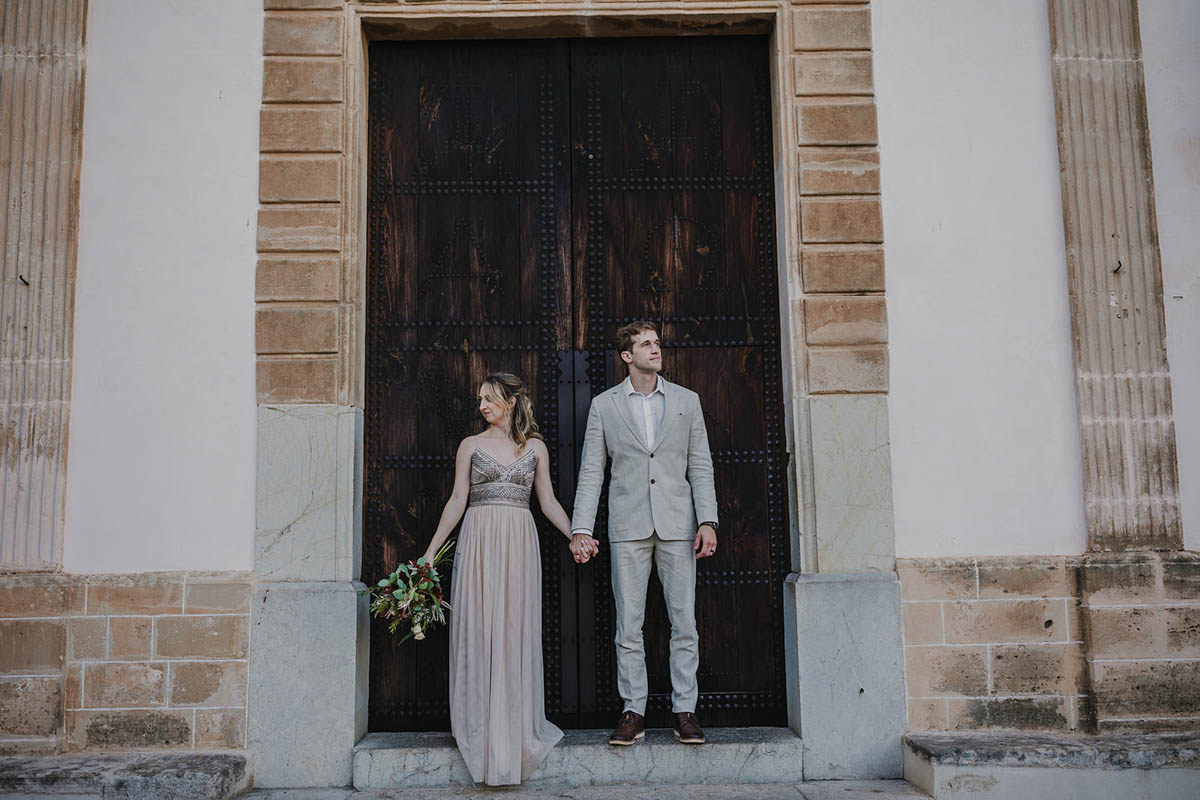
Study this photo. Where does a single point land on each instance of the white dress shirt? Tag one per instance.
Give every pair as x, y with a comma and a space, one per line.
648, 410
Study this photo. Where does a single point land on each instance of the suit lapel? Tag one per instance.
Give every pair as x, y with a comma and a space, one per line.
622, 402
670, 411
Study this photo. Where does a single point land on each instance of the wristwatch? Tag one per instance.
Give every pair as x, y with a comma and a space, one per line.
713, 525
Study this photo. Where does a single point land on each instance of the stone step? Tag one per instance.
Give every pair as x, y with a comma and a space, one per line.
133, 776
584, 758
977, 765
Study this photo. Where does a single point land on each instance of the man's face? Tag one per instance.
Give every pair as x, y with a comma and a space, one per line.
646, 352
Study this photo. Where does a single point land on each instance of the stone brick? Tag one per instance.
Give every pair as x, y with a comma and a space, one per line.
926, 715
135, 596
30, 706
286, 4
200, 637
297, 330
32, 645
828, 170
841, 219
850, 121
87, 638
312, 278
307, 179
129, 730
1074, 621
842, 269
1181, 577
922, 623
129, 637
32, 596
816, 28
296, 35
847, 369
302, 80
221, 728
1183, 631
939, 671
1146, 688
304, 129
1180, 724
299, 228
949, 579
297, 380
834, 73
131, 685
1119, 579
208, 683
1026, 577
217, 598
73, 686
1037, 669
845, 320
1126, 632
1017, 713
1006, 621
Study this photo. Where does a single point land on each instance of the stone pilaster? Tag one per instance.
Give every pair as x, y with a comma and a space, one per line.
1115, 276
41, 109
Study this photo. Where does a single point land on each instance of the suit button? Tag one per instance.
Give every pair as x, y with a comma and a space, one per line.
652, 480
652, 455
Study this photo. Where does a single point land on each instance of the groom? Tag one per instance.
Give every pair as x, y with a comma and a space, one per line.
662, 485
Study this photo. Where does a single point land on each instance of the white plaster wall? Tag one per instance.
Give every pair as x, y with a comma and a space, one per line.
1171, 57
986, 456
161, 451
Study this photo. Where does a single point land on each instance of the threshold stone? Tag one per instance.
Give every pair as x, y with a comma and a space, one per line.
127, 776
1073, 751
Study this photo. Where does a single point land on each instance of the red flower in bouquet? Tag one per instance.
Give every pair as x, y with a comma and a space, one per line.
412, 594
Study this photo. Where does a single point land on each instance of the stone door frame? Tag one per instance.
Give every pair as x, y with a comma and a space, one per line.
311, 333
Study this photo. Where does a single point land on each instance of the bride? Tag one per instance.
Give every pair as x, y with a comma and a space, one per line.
497, 703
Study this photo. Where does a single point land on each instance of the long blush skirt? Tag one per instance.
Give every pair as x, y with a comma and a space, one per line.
497, 700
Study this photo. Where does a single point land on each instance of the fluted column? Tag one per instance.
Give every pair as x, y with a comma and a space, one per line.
1115, 276
41, 70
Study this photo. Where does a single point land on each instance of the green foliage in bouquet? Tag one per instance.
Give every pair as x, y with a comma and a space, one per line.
413, 595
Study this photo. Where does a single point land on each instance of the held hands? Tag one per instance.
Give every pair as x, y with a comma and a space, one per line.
583, 547
706, 541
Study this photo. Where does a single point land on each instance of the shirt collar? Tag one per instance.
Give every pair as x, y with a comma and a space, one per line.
658, 387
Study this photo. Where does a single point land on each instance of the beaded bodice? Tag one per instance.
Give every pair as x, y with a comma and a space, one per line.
496, 484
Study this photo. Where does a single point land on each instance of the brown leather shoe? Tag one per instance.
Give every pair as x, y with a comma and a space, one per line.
687, 728
631, 728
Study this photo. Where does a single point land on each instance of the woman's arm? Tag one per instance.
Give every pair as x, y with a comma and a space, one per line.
582, 545
544, 488
457, 503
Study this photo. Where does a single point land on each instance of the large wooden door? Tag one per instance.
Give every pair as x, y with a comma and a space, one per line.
525, 200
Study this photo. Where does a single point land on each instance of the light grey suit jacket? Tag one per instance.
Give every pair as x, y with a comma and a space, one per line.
668, 489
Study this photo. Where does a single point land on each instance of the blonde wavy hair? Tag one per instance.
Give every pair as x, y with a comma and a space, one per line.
500, 387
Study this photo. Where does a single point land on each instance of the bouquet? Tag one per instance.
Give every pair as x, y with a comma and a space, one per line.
413, 595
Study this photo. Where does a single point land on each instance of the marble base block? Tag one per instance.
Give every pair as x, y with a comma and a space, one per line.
309, 476
852, 474
308, 682
584, 758
846, 667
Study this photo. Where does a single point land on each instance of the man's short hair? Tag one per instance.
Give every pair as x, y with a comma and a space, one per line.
629, 332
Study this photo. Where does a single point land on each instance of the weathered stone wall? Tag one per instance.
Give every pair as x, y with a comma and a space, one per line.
993, 643
1142, 628
121, 662
1101, 641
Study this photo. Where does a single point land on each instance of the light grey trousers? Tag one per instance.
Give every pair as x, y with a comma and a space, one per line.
676, 562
